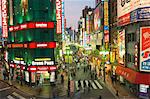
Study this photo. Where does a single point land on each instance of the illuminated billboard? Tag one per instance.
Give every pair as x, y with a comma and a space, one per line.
106, 22
145, 49
31, 25
59, 16
4, 18
121, 46
125, 7
97, 18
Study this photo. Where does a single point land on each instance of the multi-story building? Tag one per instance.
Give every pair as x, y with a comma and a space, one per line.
113, 30
134, 46
31, 39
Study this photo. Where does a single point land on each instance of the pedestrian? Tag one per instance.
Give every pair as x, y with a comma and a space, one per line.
79, 85
117, 94
4, 74
100, 97
62, 78
89, 86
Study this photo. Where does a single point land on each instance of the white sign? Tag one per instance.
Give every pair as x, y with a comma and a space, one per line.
19, 62
52, 78
143, 88
43, 63
27, 76
41, 45
126, 6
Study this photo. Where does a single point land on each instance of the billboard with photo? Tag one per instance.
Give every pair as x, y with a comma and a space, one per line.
97, 18
121, 46
145, 49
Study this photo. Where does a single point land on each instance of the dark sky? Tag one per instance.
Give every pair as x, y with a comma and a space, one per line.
73, 10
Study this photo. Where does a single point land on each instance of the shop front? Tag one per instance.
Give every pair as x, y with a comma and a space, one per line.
137, 82
42, 75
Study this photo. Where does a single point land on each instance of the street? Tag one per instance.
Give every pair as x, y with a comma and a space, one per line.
90, 88
10, 92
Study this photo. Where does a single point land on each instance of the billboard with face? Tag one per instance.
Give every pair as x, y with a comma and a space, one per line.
97, 18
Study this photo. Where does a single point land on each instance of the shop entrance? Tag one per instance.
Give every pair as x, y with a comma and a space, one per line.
43, 78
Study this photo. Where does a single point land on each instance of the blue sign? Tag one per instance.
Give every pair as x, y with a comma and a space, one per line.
144, 13
106, 28
140, 14
134, 16
145, 65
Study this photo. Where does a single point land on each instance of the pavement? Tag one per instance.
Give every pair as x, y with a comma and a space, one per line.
108, 91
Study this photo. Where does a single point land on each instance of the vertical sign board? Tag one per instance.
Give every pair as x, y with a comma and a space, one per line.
4, 18
59, 16
63, 20
145, 49
106, 23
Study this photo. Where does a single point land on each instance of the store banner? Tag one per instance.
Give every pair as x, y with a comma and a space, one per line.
140, 14
139, 9
145, 49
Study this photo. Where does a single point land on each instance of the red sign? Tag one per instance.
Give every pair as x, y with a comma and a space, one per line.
59, 16
123, 20
42, 68
4, 18
145, 38
106, 37
34, 45
17, 45
42, 45
12, 65
32, 25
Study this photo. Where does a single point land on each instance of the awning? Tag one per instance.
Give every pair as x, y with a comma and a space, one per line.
133, 76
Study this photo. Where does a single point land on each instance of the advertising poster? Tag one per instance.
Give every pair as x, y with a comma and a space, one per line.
59, 16
121, 46
97, 20
145, 49
139, 9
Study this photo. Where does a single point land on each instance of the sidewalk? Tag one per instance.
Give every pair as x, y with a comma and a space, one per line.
123, 93
46, 89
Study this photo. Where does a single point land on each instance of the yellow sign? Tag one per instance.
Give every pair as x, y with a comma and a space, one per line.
16, 58
42, 59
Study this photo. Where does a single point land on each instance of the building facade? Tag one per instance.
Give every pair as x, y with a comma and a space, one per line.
31, 40
133, 46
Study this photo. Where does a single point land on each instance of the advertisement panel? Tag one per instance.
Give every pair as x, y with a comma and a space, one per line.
125, 7
97, 18
145, 49
59, 16
140, 14
121, 46
4, 18
106, 22
63, 20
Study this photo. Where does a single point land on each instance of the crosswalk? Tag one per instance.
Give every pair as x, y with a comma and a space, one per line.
15, 95
82, 84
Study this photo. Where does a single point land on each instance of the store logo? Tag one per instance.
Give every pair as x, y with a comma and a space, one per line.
123, 2
146, 54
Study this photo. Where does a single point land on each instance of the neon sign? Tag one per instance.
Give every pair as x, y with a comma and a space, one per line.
34, 45
41, 68
59, 16
42, 63
32, 25
4, 18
